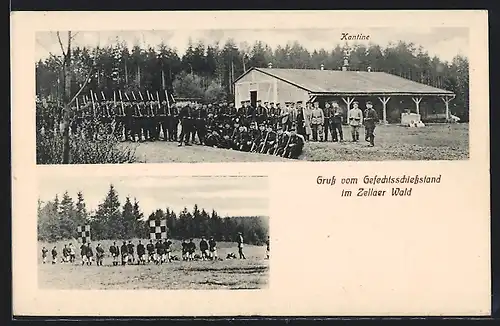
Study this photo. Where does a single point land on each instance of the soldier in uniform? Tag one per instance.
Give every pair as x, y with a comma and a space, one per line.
141, 254
295, 146
136, 122
124, 252
327, 114
54, 255
262, 111
167, 244
174, 122
371, 118
246, 139
212, 247
159, 252
285, 116
186, 125
115, 252
307, 120
336, 126
226, 141
90, 254
201, 123
355, 118
241, 112
213, 138
130, 251
83, 253
120, 129
292, 115
150, 247
317, 121
258, 135
44, 254
240, 246
270, 143
251, 113
163, 120
204, 248
99, 254
301, 129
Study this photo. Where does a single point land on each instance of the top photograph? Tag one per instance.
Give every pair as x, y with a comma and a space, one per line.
176, 96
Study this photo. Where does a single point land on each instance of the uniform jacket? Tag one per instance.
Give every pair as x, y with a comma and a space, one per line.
355, 117
318, 117
307, 120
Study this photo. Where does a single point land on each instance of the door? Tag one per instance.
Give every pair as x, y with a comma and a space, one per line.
253, 98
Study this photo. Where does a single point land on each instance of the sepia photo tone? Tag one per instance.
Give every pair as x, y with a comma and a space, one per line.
252, 95
184, 233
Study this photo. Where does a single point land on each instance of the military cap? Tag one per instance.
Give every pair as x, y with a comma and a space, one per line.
369, 102
271, 103
299, 102
259, 101
242, 102
266, 102
355, 102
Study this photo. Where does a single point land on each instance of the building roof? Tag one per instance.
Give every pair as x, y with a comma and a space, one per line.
319, 82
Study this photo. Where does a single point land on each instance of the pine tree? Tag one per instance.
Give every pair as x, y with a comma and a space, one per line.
67, 217
141, 226
128, 222
108, 211
81, 210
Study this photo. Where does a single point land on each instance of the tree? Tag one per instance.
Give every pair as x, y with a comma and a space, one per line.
107, 216
188, 85
128, 220
141, 226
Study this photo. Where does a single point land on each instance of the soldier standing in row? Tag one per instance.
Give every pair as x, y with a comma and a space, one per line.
44, 255
186, 125
141, 253
204, 248
115, 253
371, 118
150, 247
54, 255
336, 126
285, 117
163, 120
99, 254
174, 122
212, 248
130, 251
307, 120
327, 114
124, 252
317, 121
355, 117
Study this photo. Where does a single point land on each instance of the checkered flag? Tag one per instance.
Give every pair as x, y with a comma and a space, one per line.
83, 233
157, 229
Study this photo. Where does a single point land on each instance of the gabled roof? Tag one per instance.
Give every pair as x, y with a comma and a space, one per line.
319, 82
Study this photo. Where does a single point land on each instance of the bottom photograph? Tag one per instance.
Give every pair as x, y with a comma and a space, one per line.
153, 232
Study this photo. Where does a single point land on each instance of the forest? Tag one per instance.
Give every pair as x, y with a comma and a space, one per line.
59, 218
208, 71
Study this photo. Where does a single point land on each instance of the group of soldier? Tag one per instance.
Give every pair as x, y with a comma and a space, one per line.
266, 128
158, 252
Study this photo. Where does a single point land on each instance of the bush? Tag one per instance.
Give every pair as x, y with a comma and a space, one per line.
103, 148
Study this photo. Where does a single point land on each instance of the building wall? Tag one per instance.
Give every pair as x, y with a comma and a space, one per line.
269, 89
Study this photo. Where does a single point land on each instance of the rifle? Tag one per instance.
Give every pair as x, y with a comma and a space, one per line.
151, 113
265, 141
277, 144
93, 104
158, 100
121, 103
286, 146
168, 102
137, 104
106, 103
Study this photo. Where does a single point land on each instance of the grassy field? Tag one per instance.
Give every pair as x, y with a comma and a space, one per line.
251, 273
392, 142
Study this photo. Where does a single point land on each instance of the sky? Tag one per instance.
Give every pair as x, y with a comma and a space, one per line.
443, 42
229, 196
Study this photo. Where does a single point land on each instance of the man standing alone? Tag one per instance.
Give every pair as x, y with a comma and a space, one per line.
371, 117
240, 246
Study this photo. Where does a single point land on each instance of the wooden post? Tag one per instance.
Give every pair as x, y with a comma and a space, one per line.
348, 101
417, 101
446, 99
384, 100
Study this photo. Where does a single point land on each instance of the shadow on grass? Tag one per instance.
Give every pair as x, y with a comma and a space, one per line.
233, 270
